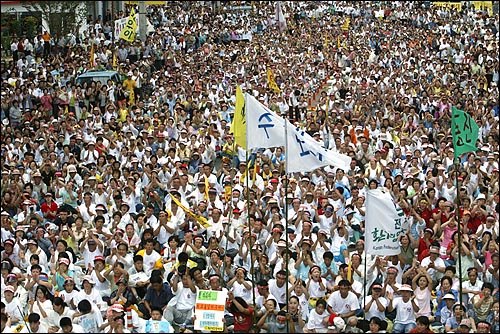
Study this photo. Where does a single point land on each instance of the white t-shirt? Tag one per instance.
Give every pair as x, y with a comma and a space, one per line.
186, 298
150, 260
279, 293
373, 311
343, 305
404, 311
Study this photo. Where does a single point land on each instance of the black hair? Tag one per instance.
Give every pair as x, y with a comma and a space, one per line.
321, 301
423, 320
233, 309
183, 257
155, 279
84, 306
138, 258
344, 282
488, 285
33, 317
59, 302
65, 322
376, 321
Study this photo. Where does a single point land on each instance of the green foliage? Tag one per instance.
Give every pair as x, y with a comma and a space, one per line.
61, 16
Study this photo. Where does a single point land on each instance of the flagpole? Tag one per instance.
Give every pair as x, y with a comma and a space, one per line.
229, 217
459, 232
286, 211
250, 231
364, 285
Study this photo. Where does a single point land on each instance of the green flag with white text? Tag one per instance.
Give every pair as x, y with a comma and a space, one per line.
465, 132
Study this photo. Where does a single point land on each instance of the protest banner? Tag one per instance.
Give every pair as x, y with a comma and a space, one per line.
209, 310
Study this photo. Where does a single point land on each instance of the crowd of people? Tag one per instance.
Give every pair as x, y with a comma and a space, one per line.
122, 200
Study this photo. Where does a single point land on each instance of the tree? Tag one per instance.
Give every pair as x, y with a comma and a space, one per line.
62, 17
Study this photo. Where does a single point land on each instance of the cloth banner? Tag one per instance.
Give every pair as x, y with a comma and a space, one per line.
384, 220
238, 126
129, 28
464, 131
303, 153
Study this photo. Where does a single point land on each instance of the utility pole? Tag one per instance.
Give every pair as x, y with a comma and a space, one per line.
142, 21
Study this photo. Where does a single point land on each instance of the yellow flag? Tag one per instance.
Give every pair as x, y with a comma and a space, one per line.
239, 126
326, 106
128, 31
271, 82
345, 26
326, 41
349, 271
207, 187
91, 58
115, 61
200, 219
338, 42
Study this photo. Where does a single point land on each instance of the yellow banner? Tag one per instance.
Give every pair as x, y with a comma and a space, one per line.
128, 32
91, 57
238, 126
444, 4
345, 26
207, 188
200, 219
481, 5
271, 82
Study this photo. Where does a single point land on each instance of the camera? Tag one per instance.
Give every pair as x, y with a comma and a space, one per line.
182, 270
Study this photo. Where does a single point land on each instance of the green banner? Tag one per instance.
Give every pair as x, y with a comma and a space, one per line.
465, 132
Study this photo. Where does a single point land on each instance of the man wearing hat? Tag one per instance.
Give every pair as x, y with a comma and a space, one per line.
405, 307
434, 265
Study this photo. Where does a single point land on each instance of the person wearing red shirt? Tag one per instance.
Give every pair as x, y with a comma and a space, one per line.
425, 243
425, 212
243, 314
478, 214
49, 207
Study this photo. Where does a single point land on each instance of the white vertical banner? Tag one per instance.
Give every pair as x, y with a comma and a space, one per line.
383, 223
279, 17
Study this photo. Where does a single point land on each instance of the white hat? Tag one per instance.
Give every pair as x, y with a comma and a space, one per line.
481, 196
405, 287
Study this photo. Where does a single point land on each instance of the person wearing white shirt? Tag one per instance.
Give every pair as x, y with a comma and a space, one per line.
343, 302
35, 325
375, 304
405, 307
150, 256
59, 311
185, 293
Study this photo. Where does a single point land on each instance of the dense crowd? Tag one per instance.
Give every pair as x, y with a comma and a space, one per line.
96, 177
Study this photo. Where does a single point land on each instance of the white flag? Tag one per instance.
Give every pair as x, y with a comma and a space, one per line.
279, 17
303, 154
384, 220
264, 127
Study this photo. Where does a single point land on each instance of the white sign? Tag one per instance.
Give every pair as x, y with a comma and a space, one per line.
384, 220
209, 310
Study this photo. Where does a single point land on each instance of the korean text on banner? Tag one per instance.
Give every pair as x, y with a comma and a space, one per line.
129, 31
384, 223
209, 310
464, 132
304, 154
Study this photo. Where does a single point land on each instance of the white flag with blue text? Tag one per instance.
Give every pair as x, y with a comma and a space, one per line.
383, 223
267, 129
